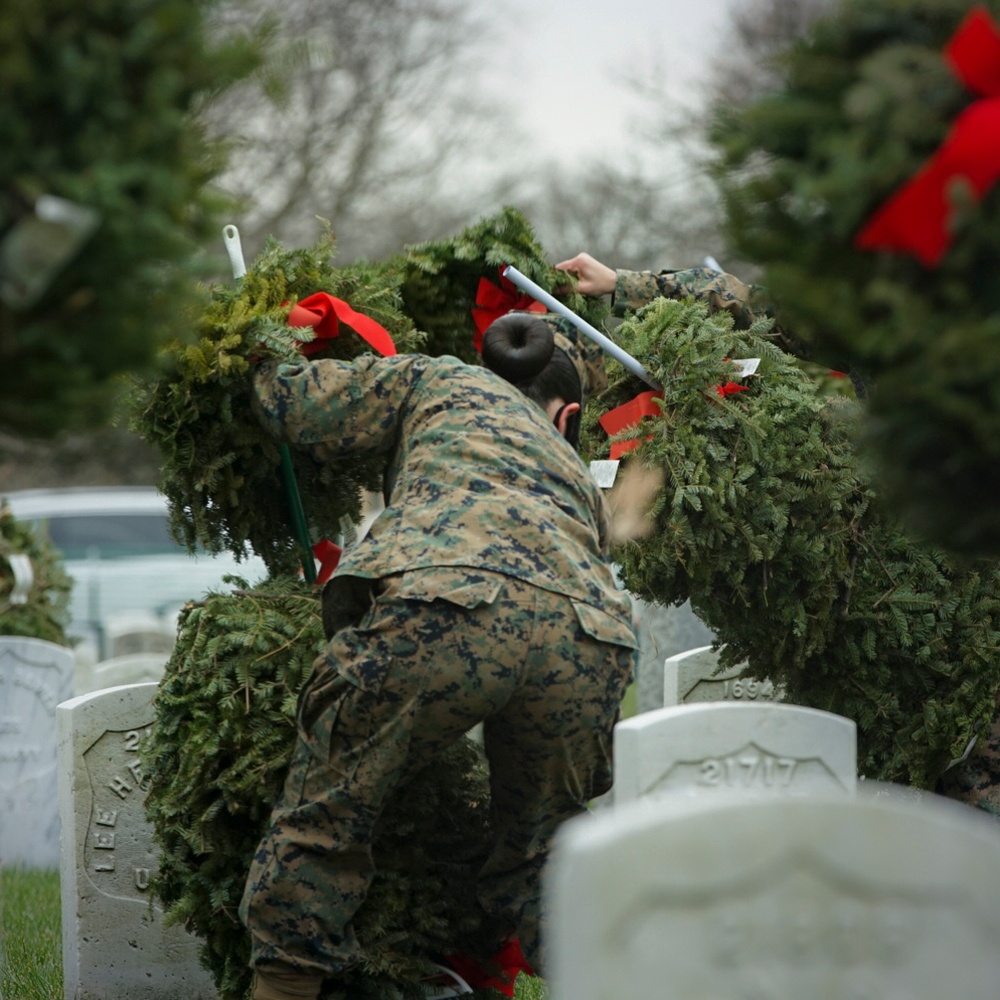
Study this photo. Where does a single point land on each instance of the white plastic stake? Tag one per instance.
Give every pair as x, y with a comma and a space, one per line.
231, 237
554, 305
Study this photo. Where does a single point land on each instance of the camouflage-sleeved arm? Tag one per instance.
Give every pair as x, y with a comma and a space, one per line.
633, 290
747, 303
604, 528
345, 406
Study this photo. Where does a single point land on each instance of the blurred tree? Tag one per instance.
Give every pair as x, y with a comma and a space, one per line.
879, 95
361, 115
102, 193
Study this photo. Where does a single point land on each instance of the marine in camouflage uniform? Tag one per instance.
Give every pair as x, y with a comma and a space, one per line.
487, 596
718, 290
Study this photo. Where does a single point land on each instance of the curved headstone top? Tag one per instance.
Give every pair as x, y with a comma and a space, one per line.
768, 748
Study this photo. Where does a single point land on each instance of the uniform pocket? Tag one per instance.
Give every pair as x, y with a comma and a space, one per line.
335, 721
345, 601
605, 627
463, 588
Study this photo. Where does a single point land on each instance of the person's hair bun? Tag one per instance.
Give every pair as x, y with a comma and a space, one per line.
517, 346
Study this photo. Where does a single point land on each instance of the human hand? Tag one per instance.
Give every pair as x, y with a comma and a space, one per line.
593, 277
632, 502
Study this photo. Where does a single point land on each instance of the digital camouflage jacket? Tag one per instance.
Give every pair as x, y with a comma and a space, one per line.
720, 291
477, 476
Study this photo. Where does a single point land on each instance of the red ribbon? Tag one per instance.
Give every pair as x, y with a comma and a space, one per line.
916, 218
628, 415
493, 302
730, 388
510, 960
324, 314
328, 555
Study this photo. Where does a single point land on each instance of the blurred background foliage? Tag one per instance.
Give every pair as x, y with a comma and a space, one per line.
104, 193
161, 120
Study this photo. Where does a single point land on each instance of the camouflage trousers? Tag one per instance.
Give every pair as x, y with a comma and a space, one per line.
438, 652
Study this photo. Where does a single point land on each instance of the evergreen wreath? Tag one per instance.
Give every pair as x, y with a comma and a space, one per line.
221, 468
441, 280
217, 757
868, 99
766, 522
45, 614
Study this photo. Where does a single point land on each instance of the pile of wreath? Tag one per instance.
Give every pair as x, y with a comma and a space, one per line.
767, 522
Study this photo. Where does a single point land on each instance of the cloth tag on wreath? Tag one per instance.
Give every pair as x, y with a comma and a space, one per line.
746, 366
604, 471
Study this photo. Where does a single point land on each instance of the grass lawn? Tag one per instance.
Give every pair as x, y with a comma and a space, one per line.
31, 940
30, 935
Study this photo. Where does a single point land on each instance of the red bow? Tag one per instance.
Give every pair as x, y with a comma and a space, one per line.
509, 958
328, 555
730, 388
324, 314
628, 415
493, 302
915, 219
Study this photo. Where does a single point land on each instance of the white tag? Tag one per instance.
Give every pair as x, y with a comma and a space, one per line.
746, 366
348, 532
24, 577
604, 471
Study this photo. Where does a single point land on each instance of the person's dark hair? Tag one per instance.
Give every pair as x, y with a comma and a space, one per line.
520, 348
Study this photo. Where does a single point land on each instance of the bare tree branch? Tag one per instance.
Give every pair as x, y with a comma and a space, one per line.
625, 217
363, 108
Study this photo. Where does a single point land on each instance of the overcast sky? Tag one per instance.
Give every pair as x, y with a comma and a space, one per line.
574, 50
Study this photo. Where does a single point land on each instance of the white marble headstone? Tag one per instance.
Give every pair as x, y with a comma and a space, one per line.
129, 633
663, 632
831, 898
136, 668
722, 747
35, 675
694, 676
114, 941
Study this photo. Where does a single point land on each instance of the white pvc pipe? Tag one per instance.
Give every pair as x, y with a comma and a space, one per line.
554, 305
231, 237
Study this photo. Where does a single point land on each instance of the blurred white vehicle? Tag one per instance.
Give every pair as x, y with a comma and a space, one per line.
130, 578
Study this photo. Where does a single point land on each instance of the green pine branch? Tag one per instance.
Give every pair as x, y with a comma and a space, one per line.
767, 523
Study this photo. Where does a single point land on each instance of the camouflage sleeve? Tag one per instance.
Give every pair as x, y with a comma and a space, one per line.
345, 406
604, 527
746, 303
